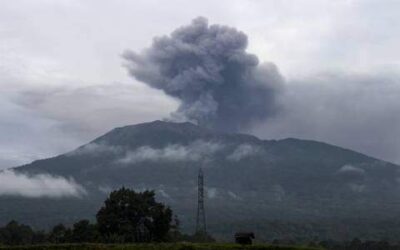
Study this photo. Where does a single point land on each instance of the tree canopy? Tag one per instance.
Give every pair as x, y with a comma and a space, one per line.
129, 216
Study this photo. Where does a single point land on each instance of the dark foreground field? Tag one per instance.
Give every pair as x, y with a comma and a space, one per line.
180, 246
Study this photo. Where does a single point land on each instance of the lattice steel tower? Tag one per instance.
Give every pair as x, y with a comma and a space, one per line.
201, 216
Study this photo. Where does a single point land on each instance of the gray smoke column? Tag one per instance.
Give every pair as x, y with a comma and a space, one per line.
207, 68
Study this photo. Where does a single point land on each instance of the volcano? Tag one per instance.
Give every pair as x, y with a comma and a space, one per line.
249, 183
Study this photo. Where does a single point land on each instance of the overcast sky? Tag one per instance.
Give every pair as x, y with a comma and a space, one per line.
62, 80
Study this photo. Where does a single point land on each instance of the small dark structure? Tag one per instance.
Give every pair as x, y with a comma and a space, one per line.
244, 238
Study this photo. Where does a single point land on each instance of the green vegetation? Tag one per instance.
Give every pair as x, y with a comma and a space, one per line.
126, 217
129, 217
160, 246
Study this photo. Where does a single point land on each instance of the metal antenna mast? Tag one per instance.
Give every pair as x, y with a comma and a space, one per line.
201, 217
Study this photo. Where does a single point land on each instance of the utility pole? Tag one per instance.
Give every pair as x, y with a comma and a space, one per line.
201, 217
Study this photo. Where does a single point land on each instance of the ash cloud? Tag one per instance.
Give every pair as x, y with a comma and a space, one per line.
37, 186
207, 68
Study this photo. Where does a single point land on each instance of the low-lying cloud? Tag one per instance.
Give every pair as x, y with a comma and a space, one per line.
244, 151
37, 186
351, 169
195, 151
352, 175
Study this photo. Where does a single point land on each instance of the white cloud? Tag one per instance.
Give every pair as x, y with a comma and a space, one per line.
354, 176
351, 169
211, 192
40, 185
243, 151
195, 151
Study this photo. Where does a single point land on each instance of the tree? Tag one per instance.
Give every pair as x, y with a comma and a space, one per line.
83, 231
129, 216
60, 234
16, 234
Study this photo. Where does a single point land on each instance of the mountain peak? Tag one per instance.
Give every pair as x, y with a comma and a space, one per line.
160, 133
159, 124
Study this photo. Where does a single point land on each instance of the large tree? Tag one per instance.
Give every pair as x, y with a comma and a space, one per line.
129, 216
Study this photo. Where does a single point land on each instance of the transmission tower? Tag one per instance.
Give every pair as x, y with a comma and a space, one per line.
201, 216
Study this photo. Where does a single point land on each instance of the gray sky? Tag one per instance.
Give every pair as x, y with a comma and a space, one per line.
62, 80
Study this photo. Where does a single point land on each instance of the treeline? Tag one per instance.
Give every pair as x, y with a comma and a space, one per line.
83, 231
126, 217
15, 233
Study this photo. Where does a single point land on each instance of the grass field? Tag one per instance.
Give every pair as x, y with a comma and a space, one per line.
177, 246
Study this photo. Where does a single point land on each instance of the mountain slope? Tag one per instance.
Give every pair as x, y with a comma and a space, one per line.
248, 180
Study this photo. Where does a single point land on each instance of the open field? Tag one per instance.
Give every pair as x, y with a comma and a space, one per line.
178, 246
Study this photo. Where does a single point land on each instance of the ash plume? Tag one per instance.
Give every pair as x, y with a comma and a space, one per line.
206, 67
